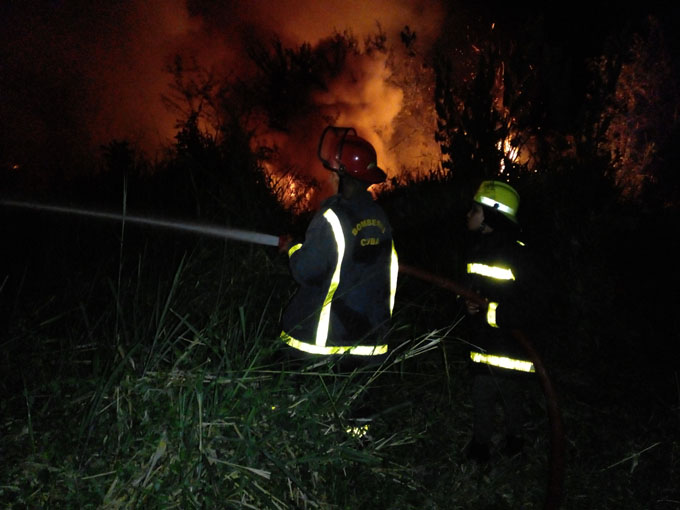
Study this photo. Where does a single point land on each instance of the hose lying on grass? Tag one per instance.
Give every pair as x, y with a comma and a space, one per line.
556, 474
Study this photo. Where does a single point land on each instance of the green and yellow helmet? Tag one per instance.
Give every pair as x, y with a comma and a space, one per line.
499, 196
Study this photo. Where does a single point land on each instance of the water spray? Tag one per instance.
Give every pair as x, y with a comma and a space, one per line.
209, 230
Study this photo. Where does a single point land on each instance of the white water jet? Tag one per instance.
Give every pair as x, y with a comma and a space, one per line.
210, 230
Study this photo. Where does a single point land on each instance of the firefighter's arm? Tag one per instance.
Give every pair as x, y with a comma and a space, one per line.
483, 305
488, 308
286, 244
311, 260
492, 315
509, 306
474, 306
525, 303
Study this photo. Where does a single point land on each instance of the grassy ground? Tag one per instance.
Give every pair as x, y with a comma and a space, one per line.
145, 378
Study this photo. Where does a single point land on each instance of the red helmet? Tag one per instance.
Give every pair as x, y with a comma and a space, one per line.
349, 154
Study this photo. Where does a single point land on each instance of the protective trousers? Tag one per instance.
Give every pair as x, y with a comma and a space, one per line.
489, 389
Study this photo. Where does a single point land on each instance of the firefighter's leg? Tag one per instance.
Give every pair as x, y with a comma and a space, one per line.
512, 398
483, 400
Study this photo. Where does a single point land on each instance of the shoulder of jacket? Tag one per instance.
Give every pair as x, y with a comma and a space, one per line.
328, 203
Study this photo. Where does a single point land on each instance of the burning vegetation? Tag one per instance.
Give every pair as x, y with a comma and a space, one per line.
439, 91
135, 368
295, 92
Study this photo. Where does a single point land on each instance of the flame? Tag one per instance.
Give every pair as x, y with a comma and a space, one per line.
386, 96
291, 190
112, 69
295, 196
509, 151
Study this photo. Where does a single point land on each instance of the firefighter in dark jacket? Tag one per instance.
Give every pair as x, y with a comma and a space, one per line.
347, 266
495, 269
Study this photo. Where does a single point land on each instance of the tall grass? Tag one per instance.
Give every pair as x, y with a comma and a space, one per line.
186, 406
155, 384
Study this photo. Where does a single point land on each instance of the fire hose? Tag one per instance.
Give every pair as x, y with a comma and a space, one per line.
210, 230
554, 490
557, 441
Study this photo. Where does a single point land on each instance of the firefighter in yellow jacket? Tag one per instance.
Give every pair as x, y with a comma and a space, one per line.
495, 268
346, 268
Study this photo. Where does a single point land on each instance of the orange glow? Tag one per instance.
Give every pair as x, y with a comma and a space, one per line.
290, 191
509, 151
116, 69
386, 95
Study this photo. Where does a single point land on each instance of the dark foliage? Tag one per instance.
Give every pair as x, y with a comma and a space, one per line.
608, 284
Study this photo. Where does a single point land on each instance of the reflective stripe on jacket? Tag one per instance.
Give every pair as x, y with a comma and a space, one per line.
347, 271
494, 269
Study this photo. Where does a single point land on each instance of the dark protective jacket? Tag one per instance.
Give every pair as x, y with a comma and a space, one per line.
496, 268
346, 270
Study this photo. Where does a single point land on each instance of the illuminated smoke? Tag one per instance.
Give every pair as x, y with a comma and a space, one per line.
383, 95
105, 63
362, 97
129, 76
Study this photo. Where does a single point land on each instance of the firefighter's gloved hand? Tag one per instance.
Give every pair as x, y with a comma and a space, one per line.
285, 242
474, 307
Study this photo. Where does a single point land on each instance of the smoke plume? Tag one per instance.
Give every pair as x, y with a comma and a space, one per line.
80, 74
